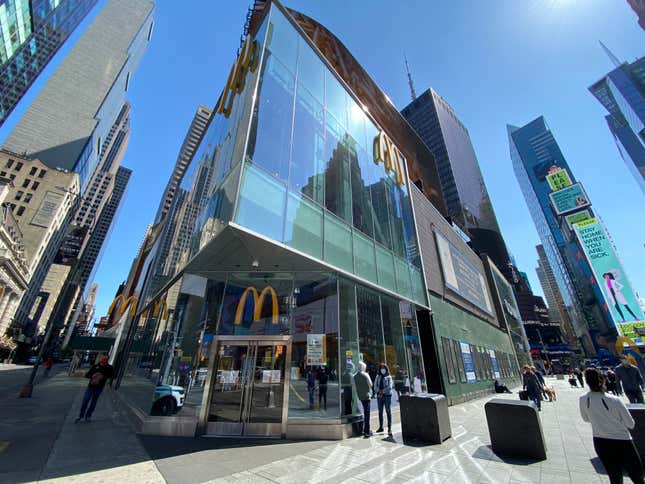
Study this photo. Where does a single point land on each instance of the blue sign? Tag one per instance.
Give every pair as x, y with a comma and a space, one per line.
493, 359
469, 364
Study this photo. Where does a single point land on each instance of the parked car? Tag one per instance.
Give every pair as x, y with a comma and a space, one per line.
167, 400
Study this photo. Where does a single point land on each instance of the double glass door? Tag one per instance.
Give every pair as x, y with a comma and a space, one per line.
249, 386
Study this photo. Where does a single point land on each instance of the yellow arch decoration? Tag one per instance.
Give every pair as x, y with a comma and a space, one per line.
121, 304
159, 308
620, 347
384, 151
246, 61
258, 303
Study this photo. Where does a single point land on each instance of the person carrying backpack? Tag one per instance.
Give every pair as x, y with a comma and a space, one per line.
99, 374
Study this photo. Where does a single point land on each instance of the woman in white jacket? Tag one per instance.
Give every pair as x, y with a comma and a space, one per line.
610, 422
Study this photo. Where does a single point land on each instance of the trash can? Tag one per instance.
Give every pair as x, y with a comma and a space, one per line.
425, 417
637, 411
515, 429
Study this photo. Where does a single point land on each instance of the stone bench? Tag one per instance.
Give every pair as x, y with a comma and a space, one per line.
425, 418
515, 429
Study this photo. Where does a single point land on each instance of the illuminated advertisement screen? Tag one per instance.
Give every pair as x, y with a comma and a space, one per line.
558, 180
569, 199
462, 276
577, 217
620, 301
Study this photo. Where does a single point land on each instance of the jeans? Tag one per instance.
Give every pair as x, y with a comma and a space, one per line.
91, 396
385, 401
634, 395
322, 395
312, 392
366, 416
617, 455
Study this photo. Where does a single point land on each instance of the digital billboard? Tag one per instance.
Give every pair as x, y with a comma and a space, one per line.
620, 300
577, 217
569, 199
558, 179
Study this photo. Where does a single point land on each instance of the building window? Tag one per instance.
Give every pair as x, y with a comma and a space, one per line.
12, 206
33, 170
12, 177
18, 166
3, 173
25, 182
127, 80
35, 185
19, 194
9, 163
28, 197
20, 211
42, 173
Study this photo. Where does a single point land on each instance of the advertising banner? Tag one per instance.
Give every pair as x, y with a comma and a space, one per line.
569, 199
620, 300
462, 276
45, 214
493, 359
469, 363
316, 350
71, 246
558, 179
577, 217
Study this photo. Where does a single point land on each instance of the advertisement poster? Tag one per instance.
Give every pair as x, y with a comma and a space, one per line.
569, 199
577, 217
47, 210
558, 179
493, 359
462, 276
469, 364
316, 350
620, 300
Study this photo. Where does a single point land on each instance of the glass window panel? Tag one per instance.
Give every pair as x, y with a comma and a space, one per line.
335, 98
315, 390
261, 203
418, 287
460, 361
356, 123
282, 40
447, 356
311, 71
379, 191
338, 243
396, 218
412, 347
348, 346
361, 198
338, 194
269, 141
303, 228
370, 334
385, 265
364, 261
307, 166
402, 274
394, 345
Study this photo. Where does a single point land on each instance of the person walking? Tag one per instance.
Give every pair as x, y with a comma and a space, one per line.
532, 386
323, 378
363, 384
383, 386
311, 386
578, 373
610, 423
98, 374
612, 385
48, 366
540, 378
629, 376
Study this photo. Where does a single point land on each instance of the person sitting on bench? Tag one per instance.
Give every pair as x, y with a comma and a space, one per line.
499, 388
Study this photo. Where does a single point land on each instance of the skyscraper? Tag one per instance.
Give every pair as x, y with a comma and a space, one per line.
31, 32
622, 93
565, 221
79, 116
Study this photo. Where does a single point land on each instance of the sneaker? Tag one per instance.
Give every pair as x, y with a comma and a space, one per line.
389, 432
368, 435
379, 430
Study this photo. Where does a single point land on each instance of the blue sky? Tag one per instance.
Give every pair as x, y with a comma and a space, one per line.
498, 62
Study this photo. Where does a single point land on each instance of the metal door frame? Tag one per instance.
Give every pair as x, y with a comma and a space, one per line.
249, 341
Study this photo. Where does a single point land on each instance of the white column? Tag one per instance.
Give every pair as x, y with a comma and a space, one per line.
4, 306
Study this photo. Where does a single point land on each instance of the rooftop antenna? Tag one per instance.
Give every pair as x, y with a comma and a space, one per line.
611, 55
410, 83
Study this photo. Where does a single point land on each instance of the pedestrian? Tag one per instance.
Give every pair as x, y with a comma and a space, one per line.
323, 378
612, 383
540, 377
98, 374
363, 384
532, 386
629, 376
572, 378
610, 423
383, 386
311, 386
578, 372
499, 388
48, 366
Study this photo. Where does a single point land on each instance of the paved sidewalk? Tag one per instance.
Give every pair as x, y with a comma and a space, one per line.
466, 457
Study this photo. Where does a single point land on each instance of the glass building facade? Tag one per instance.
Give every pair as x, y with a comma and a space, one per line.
31, 32
303, 260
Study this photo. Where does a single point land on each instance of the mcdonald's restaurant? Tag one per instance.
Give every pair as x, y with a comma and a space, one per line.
290, 253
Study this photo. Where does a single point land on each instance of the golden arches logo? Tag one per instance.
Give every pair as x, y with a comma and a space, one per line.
120, 304
246, 61
385, 152
159, 308
258, 303
621, 341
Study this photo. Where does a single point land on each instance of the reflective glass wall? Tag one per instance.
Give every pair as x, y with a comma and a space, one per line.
310, 179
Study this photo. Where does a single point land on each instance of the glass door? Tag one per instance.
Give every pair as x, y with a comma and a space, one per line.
249, 387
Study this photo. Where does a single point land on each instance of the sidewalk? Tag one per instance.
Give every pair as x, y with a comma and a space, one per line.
43, 444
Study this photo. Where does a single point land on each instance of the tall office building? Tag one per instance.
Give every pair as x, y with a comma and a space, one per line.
80, 114
638, 6
565, 222
31, 32
622, 93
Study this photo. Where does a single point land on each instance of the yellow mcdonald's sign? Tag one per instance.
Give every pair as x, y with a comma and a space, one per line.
120, 304
159, 308
385, 152
258, 302
246, 61
621, 341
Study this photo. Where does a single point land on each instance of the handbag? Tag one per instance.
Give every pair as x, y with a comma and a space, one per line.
524, 395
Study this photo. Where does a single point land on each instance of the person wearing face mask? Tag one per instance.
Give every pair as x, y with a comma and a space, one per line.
629, 376
383, 386
98, 375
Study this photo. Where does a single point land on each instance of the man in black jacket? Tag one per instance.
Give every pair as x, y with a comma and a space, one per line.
99, 374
